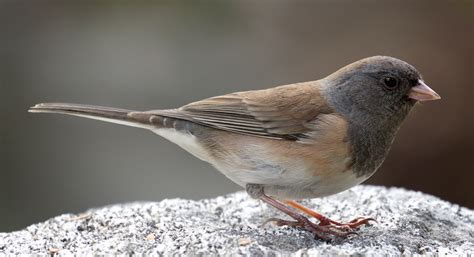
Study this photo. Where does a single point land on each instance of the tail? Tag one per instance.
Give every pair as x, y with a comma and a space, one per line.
108, 114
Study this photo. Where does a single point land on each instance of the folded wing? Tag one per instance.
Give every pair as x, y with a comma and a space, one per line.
283, 112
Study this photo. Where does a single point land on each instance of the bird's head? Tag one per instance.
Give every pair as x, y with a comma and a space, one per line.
377, 89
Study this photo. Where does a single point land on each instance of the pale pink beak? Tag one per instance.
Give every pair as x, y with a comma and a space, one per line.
422, 92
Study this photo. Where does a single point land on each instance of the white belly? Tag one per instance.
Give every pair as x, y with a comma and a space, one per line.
294, 182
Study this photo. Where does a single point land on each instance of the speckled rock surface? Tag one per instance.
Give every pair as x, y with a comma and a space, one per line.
408, 223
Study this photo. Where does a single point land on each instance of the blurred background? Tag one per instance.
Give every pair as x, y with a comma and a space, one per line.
150, 54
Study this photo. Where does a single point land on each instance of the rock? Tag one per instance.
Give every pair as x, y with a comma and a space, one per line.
408, 223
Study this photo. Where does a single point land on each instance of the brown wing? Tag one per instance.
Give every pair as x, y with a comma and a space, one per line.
282, 112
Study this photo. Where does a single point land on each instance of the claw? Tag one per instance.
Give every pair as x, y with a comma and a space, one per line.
325, 221
281, 222
359, 221
268, 221
343, 227
321, 232
327, 229
354, 223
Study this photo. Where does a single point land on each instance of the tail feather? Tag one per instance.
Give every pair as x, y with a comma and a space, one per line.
108, 114
177, 130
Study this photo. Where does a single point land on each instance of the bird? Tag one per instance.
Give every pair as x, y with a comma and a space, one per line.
291, 142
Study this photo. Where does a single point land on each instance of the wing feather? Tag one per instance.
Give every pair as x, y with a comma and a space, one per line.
281, 113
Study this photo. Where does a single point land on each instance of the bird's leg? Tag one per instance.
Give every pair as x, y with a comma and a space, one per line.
325, 221
322, 232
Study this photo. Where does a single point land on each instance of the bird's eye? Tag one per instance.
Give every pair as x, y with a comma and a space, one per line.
390, 82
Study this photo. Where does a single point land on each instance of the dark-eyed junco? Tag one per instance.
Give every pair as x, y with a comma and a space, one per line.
290, 142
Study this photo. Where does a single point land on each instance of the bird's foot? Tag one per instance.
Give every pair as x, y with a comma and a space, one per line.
325, 221
324, 232
353, 224
327, 229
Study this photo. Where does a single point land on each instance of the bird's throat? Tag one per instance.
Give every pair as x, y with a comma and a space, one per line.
369, 147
